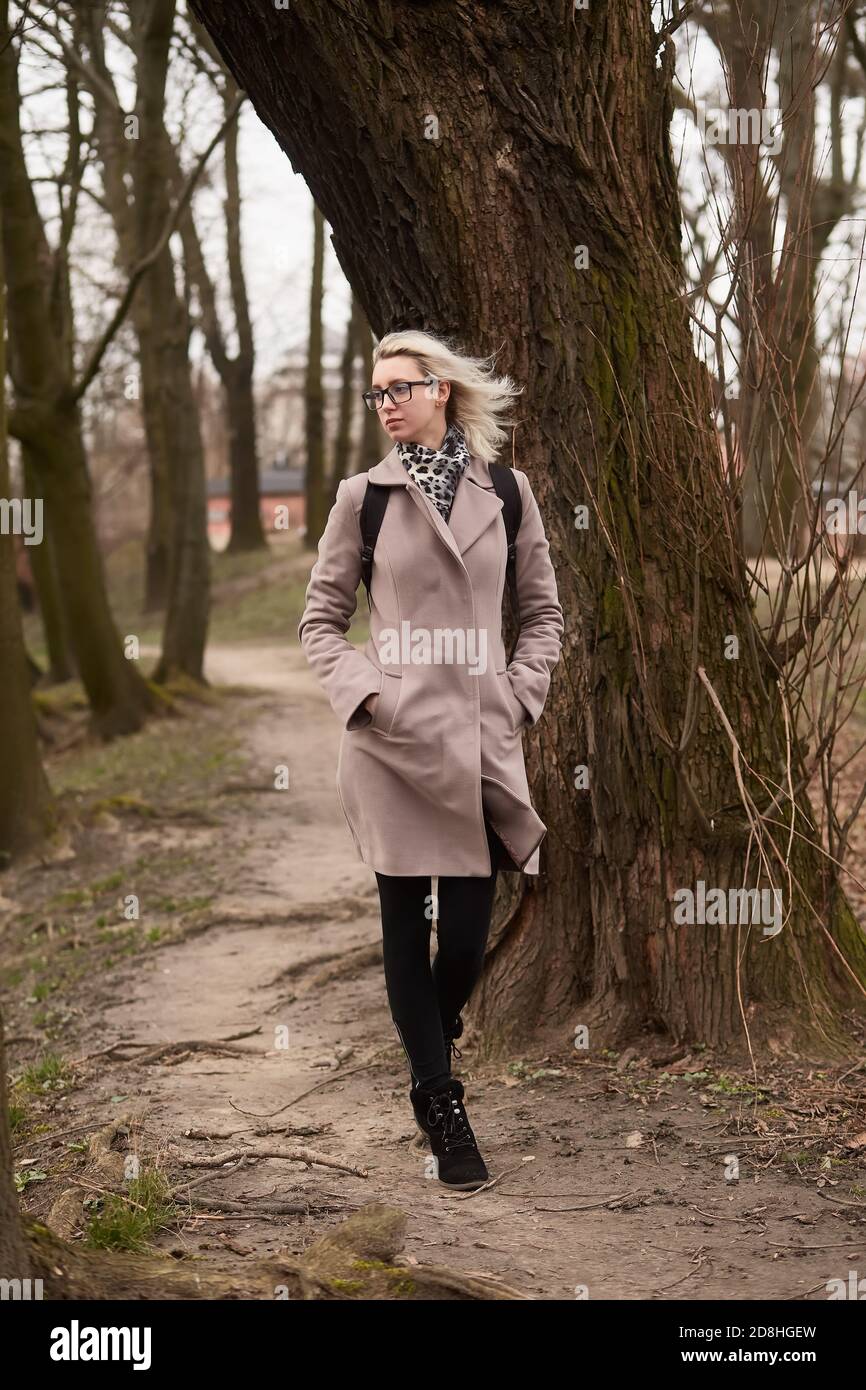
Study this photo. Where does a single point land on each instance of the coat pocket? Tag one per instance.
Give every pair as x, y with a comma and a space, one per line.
386, 705
518, 713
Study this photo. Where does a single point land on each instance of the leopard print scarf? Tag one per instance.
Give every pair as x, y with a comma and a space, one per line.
437, 471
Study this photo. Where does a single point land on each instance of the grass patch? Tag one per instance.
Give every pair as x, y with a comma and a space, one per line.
59, 700
732, 1086
271, 611
128, 1221
106, 885
87, 938
50, 1073
256, 594
18, 1118
165, 761
260, 596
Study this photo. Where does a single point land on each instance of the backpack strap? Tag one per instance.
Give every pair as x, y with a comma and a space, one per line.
376, 500
507, 488
372, 511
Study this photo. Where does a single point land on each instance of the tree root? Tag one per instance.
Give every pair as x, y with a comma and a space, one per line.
220, 1047
358, 1260
295, 1155
105, 1168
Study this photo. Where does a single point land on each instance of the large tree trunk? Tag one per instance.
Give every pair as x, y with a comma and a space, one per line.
25, 801
553, 136
157, 545
114, 152
61, 666
246, 519
188, 597
45, 418
246, 532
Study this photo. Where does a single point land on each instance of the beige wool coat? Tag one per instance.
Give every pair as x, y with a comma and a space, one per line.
443, 745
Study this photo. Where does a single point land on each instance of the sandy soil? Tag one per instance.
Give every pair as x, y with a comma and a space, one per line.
614, 1176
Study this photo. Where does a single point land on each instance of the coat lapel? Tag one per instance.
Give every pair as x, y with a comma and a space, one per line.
475, 504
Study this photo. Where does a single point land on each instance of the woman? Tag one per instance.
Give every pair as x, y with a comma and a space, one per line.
430, 773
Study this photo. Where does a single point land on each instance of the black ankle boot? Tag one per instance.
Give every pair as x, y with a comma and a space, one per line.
442, 1117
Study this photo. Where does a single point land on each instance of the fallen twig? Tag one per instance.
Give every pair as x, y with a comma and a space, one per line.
295, 1155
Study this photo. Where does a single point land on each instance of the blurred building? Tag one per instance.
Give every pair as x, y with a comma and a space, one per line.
281, 501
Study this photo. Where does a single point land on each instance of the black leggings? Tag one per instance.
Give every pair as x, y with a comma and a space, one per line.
424, 999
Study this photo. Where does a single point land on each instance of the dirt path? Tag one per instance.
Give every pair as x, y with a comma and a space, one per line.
616, 1176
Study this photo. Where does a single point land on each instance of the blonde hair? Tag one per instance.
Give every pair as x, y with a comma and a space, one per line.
478, 399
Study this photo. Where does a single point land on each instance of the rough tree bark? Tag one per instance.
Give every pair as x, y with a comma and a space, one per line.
463, 157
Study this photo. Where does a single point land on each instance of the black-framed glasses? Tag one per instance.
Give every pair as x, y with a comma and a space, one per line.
398, 392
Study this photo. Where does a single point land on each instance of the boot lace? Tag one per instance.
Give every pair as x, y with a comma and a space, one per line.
456, 1129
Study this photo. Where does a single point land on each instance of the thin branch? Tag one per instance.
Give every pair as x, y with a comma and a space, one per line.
152, 256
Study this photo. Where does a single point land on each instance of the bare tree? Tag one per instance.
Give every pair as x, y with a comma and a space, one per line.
188, 598
778, 400
236, 369
45, 418
84, 52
